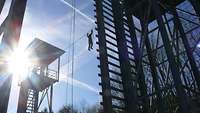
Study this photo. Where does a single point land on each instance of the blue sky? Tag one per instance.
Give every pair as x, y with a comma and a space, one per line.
50, 20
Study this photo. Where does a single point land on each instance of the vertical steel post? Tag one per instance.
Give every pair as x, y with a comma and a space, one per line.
189, 52
182, 98
105, 79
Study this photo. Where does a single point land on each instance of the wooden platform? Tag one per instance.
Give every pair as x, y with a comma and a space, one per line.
41, 54
39, 82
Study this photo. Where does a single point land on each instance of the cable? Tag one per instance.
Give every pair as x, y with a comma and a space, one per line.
73, 49
78, 11
68, 48
68, 59
76, 41
71, 52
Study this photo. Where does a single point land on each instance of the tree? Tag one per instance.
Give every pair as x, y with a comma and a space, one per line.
94, 109
84, 109
44, 111
68, 109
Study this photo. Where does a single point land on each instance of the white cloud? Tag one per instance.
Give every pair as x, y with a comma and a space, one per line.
78, 11
65, 78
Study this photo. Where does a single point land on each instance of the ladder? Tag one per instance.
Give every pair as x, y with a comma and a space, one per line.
31, 101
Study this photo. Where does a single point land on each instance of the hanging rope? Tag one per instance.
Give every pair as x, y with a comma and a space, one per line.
76, 41
71, 53
73, 49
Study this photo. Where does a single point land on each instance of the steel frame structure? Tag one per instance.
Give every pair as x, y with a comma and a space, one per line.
149, 60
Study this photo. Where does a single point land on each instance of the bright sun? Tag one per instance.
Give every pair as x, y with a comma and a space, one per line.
19, 64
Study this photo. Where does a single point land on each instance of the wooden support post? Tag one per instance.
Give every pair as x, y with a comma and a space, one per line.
51, 99
58, 69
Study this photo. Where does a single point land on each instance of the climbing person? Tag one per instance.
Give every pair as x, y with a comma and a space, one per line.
90, 41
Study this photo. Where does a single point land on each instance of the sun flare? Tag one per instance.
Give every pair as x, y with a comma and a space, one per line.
19, 64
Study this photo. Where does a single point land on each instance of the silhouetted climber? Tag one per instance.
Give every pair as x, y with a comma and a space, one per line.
90, 41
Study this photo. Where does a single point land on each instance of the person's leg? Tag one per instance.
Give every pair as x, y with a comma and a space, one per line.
89, 45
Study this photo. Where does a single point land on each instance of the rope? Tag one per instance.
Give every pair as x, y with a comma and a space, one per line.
68, 49
68, 59
71, 53
73, 49
76, 41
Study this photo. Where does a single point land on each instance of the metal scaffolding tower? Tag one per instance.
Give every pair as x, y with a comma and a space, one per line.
149, 55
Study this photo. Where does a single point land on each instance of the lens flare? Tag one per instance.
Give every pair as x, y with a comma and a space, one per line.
19, 64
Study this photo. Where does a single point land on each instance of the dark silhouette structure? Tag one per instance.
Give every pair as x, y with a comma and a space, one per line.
148, 61
10, 28
42, 78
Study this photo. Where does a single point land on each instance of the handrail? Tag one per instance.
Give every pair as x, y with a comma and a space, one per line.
50, 73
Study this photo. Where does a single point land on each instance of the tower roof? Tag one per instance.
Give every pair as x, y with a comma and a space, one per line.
43, 53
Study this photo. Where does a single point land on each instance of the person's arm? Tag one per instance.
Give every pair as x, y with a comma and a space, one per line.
91, 32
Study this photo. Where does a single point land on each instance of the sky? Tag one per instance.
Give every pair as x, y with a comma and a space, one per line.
50, 21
